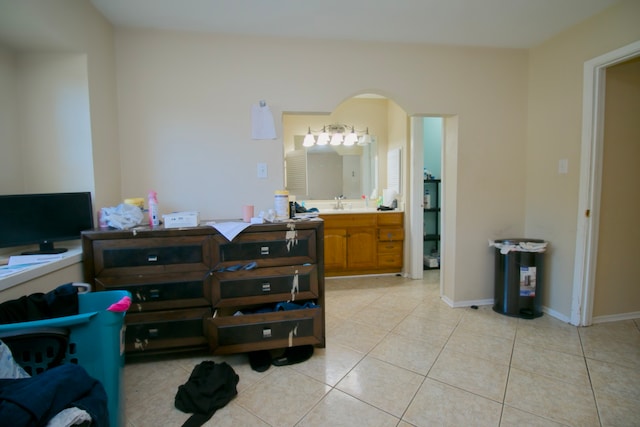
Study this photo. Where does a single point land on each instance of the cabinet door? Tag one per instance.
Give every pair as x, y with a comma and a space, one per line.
335, 249
390, 234
362, 248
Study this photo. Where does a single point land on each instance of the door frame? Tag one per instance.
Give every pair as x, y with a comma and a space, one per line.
594, 87
415, 245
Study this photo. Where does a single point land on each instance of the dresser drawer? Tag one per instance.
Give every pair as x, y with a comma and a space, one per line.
153, 255
250, 332
268, 249
390, 234
264, 285
161, 292
166, 330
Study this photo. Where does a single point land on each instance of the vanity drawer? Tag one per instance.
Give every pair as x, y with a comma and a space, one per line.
389, 260
162, 292
250, 332
153, 255
391, 218
264, 285
166, 330
390, 247
349, 220
268, 249
390, 234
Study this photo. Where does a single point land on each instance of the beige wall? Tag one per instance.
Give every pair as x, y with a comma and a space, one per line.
184, 102
554, 133
36, 28
616, 280
55, 127
46, 126
10, 159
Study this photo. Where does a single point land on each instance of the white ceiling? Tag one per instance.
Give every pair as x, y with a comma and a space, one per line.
498, 23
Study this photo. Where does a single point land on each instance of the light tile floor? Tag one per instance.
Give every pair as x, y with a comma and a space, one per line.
398, 356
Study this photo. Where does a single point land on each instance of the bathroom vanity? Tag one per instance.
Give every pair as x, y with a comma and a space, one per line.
363, 243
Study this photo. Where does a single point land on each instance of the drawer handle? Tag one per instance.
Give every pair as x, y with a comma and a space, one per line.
153, 333
266, 287
266, 333
154, 293
152, 258
264, 250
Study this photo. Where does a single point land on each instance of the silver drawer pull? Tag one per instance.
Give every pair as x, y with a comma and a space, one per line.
152, 258
153, 332
266, 287
266, 333
264, 250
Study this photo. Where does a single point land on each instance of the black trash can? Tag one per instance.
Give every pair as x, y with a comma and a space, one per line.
519, 277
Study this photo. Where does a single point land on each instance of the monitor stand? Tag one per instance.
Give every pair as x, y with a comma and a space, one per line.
46, 248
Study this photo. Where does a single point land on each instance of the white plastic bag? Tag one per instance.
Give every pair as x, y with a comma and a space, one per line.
122, 216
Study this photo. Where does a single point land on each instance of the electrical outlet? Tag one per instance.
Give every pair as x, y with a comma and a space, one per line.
262, 170
563, 166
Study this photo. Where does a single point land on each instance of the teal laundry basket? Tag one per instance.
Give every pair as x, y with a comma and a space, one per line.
95, 342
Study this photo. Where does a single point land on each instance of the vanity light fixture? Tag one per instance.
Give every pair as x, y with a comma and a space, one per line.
337, 134
365, 139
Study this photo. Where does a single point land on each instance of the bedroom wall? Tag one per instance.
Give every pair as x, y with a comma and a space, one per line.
554, 133
35, 29
10, 160
184, 101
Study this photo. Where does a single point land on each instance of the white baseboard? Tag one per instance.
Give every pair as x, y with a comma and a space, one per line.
616, 317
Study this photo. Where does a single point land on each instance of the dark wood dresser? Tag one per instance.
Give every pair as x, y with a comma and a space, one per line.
192, 288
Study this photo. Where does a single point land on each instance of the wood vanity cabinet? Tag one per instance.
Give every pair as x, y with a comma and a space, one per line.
363, 243
186, 293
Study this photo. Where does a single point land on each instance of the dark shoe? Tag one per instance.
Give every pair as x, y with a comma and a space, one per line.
294, 355
260, 360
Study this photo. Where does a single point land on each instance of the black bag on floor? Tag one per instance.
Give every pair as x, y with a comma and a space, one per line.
210, 387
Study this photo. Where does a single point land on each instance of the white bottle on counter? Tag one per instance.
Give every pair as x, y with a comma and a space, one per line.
154, 215
281, 204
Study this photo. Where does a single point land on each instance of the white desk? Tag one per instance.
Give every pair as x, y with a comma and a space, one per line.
44, 277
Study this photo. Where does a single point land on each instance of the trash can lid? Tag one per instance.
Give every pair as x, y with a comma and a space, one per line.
518, 241
521, 245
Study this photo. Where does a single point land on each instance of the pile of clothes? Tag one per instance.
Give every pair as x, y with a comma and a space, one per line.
62, 395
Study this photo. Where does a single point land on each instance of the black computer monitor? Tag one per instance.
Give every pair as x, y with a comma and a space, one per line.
44, 219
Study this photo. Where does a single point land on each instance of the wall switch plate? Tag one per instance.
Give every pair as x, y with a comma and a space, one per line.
563, 166
262, 170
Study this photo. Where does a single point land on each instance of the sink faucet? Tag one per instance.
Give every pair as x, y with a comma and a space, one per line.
339, 200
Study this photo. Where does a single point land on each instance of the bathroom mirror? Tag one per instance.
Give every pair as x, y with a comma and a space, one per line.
324, 172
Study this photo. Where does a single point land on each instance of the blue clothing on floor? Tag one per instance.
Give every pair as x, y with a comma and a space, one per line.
34, 401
